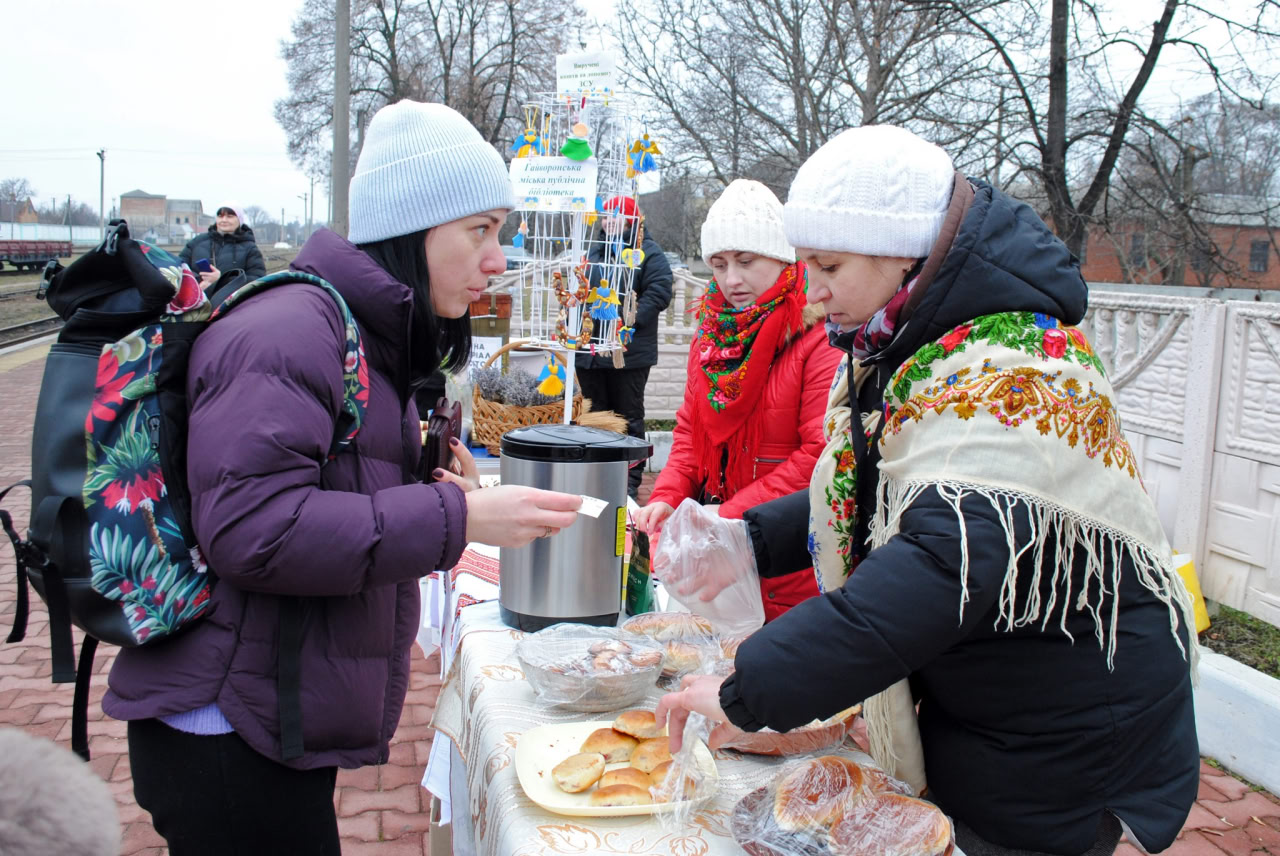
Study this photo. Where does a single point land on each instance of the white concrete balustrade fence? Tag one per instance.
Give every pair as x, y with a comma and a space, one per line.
1197, 375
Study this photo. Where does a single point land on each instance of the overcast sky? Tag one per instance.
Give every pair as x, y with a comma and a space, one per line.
180, 95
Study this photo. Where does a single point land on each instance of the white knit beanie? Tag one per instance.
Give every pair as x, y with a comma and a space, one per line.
877, 190
746, 218
422, 165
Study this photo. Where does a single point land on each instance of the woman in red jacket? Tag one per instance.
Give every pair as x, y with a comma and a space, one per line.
760, 369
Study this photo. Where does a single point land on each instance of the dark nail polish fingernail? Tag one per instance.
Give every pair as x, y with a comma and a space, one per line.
454, 441
438, 473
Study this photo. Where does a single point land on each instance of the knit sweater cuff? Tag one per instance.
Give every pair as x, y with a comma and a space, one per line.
735, 708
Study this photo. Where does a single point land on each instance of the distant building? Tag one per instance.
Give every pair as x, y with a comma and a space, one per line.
144, 212
18, 212
171, 221
1245, 232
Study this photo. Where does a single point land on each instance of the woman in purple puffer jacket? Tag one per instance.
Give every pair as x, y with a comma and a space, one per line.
326, 557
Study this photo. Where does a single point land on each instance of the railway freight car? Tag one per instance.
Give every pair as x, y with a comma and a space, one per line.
31, 255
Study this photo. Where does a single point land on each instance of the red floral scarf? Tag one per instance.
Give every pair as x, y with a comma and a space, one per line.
735, 350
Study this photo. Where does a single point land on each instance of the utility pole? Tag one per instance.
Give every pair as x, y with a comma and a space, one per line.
305, 219
71, 232
102, 194
312, 210
282, 232
341, 117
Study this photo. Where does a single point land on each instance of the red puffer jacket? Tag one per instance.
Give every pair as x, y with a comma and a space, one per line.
793, 406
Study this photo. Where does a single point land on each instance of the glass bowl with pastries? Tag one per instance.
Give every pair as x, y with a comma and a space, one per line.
839, 806
586, 668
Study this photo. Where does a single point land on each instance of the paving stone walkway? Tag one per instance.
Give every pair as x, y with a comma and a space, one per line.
382, 811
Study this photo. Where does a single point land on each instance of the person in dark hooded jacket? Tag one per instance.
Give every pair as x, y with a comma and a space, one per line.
622, 390
997, 586
228, 245
317, 559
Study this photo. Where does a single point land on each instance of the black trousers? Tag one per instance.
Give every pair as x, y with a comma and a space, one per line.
214, 796
622, 391
1109, 833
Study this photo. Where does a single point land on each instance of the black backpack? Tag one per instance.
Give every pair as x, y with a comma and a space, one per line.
110, 546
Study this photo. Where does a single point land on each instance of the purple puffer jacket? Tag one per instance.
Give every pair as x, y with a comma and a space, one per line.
265, 389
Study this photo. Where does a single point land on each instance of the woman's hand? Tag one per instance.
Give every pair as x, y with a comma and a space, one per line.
208, 278
698, 694
463, 471
512, 515
649, 519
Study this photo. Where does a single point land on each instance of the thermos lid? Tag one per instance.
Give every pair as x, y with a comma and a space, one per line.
575, 443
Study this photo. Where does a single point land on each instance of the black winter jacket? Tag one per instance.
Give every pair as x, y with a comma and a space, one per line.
653, 295
227, 252
1028, 737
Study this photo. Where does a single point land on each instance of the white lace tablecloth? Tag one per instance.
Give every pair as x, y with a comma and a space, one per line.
485, 705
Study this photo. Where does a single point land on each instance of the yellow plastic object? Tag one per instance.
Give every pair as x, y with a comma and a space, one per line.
1187, 570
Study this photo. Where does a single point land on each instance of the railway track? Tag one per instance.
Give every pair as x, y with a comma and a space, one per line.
30, 331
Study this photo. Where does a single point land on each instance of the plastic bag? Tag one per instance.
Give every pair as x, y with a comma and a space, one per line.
688, 641
586, 668
835, 805
707, 564
805, 740
686, 783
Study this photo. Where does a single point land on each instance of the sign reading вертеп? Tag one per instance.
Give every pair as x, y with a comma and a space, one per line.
583, 73
554, 184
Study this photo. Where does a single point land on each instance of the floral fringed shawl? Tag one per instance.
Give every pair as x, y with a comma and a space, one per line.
1014, 408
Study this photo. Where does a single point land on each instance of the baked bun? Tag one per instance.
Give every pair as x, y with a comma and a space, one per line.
815, 793
665, 626
650, 753
637, 723
681, 658
645, 659
625, 776
891, 825
663, 791
615, 795
729, 646
576, 773
613, 746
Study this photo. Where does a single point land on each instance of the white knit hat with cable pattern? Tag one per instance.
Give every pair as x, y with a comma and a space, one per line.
878, 190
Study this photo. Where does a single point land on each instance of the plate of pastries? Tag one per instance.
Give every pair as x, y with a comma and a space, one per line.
609, 768
835, 806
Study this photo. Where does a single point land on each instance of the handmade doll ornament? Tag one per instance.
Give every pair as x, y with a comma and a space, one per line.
518, 239
576, 147
530, 142
551, 378
640, 157
584, 335
604, 302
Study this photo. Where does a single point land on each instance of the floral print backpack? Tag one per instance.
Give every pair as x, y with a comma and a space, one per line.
110, 546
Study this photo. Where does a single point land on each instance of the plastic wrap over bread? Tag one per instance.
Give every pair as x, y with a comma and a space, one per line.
706, 563
688, 642
682, 778
586, 668
806, 740
837, 806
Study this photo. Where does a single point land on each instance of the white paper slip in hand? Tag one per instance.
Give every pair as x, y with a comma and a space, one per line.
592, 506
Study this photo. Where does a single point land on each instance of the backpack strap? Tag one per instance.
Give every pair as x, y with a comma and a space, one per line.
65, 519
293, 621
22, 554
355, 383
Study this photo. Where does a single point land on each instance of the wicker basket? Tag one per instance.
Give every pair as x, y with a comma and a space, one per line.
490, 420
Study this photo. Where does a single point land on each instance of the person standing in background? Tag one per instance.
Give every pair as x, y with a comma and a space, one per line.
228, 245
760, 368
622, 390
